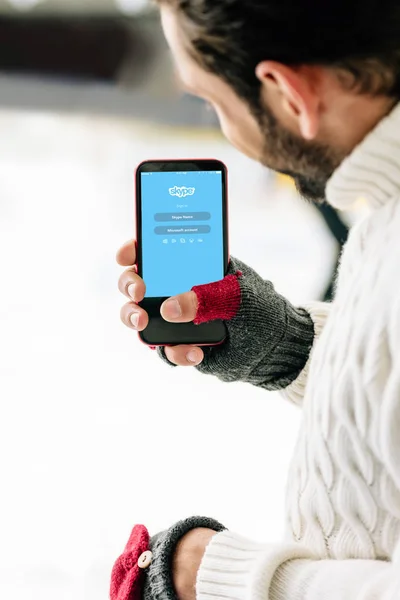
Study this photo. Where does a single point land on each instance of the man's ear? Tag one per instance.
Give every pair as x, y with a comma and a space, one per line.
295, 95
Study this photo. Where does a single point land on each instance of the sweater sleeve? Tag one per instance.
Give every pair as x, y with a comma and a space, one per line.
319, 312
236, 568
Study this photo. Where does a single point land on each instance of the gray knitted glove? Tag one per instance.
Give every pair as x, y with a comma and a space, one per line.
268, 341
144, 570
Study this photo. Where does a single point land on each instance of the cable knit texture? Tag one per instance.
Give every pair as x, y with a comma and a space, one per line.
343, 495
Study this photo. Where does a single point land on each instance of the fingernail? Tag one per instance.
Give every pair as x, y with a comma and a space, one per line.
194, 357
131, 290
135, 320
172, 309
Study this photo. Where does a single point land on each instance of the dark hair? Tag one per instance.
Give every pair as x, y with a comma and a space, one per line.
360, 39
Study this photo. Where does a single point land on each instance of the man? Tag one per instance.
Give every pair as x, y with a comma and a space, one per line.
310, 89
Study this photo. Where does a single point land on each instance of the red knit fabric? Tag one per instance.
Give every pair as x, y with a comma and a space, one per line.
127, 576
219, 300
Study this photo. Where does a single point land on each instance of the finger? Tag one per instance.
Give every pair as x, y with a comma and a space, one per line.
134, 317
180, 309
131, 285
126, 256
184, 356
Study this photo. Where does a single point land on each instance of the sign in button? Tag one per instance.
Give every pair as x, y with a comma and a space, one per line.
182, 217
182, 230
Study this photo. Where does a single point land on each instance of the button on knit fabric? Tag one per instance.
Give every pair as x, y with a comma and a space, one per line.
127, 577
145, 560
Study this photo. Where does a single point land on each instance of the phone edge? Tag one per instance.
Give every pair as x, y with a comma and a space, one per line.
155, 346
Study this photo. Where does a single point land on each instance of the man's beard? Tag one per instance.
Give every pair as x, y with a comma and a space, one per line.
309, 163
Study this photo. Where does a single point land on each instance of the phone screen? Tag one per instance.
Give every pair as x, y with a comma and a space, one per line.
182, 230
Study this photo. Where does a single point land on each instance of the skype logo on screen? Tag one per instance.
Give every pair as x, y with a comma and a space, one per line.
182, 192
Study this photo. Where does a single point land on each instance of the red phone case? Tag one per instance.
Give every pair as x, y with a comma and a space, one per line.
136, 225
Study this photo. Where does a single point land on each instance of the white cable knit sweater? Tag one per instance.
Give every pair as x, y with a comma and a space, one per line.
343, 501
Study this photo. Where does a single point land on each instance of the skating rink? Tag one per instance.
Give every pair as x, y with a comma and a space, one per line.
96, 434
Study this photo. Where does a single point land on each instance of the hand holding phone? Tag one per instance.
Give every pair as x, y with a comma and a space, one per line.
135, 317
268, 341
253, 333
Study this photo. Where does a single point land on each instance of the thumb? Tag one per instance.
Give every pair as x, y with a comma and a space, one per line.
205, 303
180, 309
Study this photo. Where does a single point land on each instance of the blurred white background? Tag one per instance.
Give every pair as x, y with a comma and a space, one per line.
77, 6
96, 434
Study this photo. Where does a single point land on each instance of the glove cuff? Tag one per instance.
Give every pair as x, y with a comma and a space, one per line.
159, 583
291, 354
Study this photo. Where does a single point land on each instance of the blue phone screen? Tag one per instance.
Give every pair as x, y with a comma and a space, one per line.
182, 231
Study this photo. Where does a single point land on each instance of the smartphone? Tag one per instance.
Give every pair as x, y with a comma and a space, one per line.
182, 241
